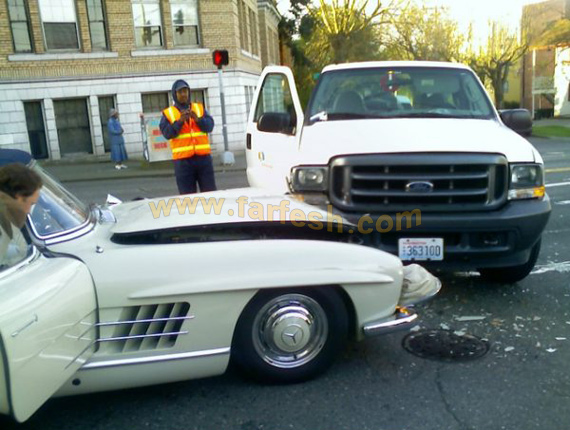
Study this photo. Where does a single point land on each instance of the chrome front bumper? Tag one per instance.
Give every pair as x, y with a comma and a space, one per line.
402, 319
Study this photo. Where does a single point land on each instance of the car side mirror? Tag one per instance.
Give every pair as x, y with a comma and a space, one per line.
276, 122
519, 120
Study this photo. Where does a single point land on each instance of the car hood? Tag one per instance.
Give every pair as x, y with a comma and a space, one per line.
219, 207
325, 139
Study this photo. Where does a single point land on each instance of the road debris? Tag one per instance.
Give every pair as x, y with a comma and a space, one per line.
470, 318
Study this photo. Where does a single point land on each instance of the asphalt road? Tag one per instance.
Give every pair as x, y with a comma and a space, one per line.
522, 383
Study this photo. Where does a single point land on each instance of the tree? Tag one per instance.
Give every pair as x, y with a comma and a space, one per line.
425, 33
332, 32
493, 60
344, 31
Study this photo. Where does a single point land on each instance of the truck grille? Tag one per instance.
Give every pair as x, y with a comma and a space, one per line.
429, 182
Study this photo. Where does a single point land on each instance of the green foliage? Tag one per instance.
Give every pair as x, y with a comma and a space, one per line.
493, 60
424, 33
557, 34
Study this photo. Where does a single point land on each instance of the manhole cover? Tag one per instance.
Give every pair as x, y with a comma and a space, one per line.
445, 345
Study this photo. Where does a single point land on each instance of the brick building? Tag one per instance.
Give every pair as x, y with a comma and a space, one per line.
65, 63
544, 79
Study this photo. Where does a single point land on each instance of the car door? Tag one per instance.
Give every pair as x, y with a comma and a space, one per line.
273, 130
47, 328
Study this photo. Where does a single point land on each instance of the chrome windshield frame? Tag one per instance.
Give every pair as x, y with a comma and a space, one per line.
82, 228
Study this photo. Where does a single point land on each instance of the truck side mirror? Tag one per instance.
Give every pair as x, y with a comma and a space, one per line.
518, 120
276, 122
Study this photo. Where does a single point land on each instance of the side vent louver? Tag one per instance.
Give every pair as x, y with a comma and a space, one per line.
143, 328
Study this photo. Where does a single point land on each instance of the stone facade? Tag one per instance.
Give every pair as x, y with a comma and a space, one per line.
126, 72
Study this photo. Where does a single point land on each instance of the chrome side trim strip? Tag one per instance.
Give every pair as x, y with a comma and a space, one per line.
156, 359
150, 320
141, 336
402, 319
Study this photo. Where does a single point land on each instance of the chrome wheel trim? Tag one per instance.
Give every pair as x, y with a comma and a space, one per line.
290, 331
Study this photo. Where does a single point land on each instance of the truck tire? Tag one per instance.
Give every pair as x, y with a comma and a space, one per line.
512, 274
288, 336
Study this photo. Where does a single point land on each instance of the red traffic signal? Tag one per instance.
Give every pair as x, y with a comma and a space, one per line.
221, 58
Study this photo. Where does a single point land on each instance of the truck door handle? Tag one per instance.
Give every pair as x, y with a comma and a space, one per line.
248, 140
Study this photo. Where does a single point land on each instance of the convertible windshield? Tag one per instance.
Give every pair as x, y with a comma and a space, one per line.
406, 92
57, 210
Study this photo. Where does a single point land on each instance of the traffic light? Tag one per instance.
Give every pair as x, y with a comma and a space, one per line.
221, 58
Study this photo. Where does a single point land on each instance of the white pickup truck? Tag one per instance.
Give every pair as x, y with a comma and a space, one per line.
414, 155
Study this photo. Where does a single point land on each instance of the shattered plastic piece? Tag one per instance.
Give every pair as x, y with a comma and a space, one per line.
509, 348
415, 328
551, 350
459, 333
471, 318
418, 285
536, 318
444, 326
538, 345
560, 338
112, 200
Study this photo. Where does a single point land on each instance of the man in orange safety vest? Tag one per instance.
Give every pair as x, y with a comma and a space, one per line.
186, 126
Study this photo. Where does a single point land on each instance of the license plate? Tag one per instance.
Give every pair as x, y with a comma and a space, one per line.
427, 249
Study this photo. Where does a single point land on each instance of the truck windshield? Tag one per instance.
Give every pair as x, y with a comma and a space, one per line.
403, 92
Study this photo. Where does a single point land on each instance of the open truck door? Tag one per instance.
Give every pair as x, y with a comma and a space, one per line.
47, 329
273, 130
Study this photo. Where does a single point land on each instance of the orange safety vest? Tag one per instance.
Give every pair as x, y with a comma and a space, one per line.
191, 140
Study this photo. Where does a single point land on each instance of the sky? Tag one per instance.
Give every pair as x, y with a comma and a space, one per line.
465, 11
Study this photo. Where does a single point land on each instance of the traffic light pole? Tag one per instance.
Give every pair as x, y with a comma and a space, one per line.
227, 156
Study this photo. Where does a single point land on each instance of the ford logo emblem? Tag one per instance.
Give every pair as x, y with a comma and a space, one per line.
419, 187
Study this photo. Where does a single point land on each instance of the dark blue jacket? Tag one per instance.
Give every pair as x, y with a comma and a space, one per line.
170, 131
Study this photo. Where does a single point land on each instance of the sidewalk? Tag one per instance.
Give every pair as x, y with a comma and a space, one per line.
92, 168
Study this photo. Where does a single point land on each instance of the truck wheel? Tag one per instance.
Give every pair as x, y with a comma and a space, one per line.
290, 336
512, 274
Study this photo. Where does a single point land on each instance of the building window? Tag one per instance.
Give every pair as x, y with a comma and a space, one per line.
60, 24
97, 26
36, 129
185, 22
148, 23
154, 102
73, 128
253, 39
20, 25
242, 24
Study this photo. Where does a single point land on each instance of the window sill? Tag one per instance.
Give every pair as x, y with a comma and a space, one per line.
62, 56
162, 52
249, 55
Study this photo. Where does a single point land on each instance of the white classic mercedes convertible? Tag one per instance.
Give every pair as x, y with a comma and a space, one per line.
162, 290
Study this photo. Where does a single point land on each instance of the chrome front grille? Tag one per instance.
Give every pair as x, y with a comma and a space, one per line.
429, 182
145, 327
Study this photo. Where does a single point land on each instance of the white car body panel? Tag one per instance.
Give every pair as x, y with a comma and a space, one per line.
48, 336
323, 140
99, 314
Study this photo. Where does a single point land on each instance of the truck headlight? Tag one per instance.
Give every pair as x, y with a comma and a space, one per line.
309, 178
527, 182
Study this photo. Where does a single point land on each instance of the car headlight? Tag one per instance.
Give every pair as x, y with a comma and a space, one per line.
309, 178
527, 182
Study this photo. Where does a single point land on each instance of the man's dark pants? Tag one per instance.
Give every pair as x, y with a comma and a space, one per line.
196, 170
